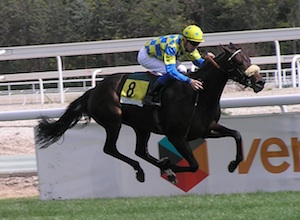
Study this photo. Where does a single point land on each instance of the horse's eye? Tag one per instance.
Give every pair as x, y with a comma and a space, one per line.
238, 64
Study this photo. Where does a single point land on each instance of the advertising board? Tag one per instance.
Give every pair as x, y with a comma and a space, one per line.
77, 167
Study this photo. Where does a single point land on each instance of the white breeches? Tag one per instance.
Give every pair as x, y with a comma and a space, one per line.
155, 64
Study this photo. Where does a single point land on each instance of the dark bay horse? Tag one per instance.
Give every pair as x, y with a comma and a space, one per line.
184, 114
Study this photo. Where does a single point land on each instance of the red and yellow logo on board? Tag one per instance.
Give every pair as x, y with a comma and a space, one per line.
186, 180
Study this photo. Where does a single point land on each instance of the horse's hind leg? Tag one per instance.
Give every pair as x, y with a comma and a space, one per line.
109, 116
182, 146
111, 149
142, 137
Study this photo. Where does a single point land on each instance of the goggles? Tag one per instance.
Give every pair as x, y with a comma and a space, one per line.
194, 43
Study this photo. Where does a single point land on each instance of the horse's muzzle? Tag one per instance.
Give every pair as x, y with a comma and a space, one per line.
257, 81
258, 85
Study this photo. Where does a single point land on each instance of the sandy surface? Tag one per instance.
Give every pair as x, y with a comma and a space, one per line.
17, 136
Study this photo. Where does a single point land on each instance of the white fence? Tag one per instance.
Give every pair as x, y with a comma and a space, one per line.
295, 70
128, 45
278, 100
38, 92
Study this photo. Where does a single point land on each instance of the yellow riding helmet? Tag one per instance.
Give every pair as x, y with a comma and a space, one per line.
193, 33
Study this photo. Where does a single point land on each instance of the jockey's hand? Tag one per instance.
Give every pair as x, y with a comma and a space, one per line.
210, 54
196, 84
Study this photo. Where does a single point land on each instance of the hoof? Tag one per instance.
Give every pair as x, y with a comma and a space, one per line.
232, 166
172, 179
140, 176
171, 176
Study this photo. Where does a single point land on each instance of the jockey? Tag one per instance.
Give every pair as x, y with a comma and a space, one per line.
161, 53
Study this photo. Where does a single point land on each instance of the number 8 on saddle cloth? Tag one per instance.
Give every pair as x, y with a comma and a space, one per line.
135, 88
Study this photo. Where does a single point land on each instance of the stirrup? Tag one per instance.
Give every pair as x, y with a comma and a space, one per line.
148, 100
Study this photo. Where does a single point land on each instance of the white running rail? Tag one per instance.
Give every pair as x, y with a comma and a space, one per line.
296, 63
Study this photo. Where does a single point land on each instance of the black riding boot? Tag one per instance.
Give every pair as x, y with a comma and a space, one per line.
153, 90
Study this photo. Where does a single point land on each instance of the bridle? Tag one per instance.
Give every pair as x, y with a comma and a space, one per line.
241, 78
221, 69
234, 54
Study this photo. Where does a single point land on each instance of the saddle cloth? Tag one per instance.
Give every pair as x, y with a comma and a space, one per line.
135, 87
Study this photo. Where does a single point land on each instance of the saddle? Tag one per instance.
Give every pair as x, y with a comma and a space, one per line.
136, 86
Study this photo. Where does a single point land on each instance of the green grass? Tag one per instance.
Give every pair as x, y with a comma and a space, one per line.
281, 205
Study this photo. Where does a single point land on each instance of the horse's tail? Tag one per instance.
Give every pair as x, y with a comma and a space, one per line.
49, 130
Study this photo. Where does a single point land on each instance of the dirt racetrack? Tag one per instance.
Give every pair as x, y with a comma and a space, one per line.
17, 136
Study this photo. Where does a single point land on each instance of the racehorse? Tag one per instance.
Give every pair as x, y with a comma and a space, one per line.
184, 114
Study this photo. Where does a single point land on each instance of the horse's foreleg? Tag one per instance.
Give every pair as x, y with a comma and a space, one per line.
111, 149
219, 131
182, 146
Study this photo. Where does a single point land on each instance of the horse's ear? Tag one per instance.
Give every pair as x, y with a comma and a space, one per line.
231, 45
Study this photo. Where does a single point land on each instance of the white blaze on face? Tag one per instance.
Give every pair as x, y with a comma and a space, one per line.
252, 69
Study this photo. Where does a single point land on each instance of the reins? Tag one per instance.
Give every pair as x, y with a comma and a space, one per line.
197, 96
212, 61
216, 64
193, 113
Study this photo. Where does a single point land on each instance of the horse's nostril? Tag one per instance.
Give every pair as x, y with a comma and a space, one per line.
261, 82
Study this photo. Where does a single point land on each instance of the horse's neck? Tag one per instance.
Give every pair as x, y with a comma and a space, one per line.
214, 88
214, 79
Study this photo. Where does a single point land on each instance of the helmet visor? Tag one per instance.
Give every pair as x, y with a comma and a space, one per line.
193, 43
